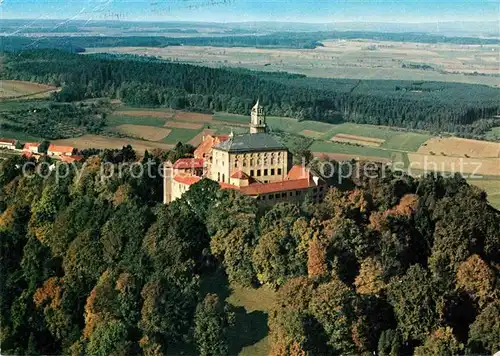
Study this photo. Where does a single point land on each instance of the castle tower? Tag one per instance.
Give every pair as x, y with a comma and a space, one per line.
258, 119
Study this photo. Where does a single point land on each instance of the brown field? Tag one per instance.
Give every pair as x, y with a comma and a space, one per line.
149, 113
94, 141
311, 134
145, 132
193, 116
345, 157
11, 89
478, 166
358, 140
453, 146
184, 125
195, 141
355, 59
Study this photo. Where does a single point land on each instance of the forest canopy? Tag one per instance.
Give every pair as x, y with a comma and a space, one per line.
95, 265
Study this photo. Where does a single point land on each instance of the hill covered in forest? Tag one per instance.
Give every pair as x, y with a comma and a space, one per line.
93, 264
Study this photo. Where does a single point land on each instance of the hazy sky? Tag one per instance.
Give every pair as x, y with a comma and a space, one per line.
256, 10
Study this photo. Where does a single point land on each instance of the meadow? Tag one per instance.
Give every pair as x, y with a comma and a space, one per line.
355, 59
16, 89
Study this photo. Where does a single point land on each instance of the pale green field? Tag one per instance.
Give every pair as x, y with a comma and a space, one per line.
493, 134
491, 185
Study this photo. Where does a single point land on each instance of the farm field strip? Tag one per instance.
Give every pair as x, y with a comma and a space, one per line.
102, 142
357, 140
311, 134
184, 125
454, 146
148, 133
343, 59
14, 89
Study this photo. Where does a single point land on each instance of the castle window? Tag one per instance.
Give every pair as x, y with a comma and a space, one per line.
272, 171
265, 172
279, 171
218, 176
223, 178
251, 173
258, 172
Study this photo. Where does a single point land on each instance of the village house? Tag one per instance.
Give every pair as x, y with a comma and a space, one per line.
8, 143
31, 147
56, 150
255, 164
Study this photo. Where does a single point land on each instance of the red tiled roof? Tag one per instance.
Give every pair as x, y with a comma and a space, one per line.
256, 189
8, 140
298, 172
186, 163
188, 180
209, 141
70, 159
240, 175
29, 145
228, 186
63, 149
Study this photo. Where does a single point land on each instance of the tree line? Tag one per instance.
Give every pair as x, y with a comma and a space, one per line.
304, 40
464, 109
93, 264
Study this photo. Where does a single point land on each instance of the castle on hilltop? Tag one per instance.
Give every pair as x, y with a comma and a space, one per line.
255, 164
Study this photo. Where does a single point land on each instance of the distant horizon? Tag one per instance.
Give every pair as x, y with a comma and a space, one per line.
232, 11
252, 21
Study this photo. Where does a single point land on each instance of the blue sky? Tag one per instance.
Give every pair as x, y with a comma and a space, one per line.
326, 11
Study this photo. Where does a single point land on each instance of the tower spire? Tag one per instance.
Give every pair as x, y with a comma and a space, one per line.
258, 119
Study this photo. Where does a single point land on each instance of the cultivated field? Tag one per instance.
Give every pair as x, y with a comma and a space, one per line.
183, 125
311, 134
102, 142
164, 114
358, 140
454, 146
357, 59
15, 89
148, 133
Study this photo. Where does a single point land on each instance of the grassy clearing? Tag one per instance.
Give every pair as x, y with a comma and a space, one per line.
332, 147
223, 116
21, 136
180, 135
249, 334
407, 141
116, 120
491, 185
493, 134
11, 89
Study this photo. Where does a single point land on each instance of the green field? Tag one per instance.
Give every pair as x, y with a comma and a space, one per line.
491, 185
248, 336
21, 136
117, 119
180, 135
493, 134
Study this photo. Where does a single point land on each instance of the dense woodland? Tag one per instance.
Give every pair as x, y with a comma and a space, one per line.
440, 107
306, 40
98, 266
